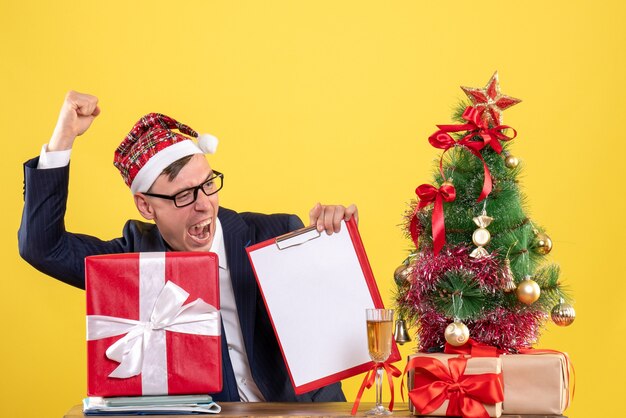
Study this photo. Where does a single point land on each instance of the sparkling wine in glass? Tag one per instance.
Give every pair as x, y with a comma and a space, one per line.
379, 337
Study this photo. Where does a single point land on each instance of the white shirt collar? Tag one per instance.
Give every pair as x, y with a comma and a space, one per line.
217, 246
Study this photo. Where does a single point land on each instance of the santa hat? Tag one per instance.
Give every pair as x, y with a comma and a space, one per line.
151, 146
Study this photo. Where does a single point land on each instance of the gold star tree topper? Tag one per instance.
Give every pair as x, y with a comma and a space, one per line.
490, 100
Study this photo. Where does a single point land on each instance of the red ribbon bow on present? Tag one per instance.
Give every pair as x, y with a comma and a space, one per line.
370, 377
474, 349
435, 383
428, 194
478, 128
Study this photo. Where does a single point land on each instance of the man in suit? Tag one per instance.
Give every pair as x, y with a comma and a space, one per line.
174, 186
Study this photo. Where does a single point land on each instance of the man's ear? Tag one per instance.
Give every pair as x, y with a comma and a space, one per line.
143, 206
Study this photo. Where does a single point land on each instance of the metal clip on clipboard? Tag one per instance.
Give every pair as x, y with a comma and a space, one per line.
297, 237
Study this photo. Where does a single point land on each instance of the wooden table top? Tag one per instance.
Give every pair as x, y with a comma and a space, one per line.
296, 409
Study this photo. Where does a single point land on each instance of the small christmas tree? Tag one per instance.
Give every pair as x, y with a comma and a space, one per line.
478, 265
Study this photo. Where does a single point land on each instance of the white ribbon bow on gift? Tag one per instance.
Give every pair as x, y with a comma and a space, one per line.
143, 346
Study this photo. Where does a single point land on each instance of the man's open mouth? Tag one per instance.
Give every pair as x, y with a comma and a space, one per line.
200, 231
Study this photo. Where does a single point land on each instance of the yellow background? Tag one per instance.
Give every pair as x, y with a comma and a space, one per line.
324, 100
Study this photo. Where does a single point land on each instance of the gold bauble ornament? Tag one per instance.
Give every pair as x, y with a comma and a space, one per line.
447, 183
563, 314
457, 333
511, 161
528, 291
542, 244
402, 273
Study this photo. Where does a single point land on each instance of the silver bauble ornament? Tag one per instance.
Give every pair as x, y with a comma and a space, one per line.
563, 314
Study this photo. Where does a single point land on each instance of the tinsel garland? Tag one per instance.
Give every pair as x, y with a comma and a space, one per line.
506, 330
429, 269
502, 328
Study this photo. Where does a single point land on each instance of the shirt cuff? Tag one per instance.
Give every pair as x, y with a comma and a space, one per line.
53, 159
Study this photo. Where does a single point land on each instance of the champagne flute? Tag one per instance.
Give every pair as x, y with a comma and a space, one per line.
379, 334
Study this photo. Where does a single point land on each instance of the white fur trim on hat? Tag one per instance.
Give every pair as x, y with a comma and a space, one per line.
160, 161
207, 143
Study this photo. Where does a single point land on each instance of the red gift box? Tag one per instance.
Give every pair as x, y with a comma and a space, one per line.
452, 385
153, 324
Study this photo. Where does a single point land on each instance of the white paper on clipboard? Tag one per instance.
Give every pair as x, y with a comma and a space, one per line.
316, 289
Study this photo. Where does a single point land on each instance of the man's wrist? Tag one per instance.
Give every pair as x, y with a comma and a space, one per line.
61, 142
53, 159
59, 145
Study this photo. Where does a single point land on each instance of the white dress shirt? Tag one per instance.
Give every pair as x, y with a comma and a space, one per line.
247, 388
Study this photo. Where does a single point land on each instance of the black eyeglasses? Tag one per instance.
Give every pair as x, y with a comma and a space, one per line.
188, 196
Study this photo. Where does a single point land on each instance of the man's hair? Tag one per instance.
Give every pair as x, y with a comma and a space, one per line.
173, 169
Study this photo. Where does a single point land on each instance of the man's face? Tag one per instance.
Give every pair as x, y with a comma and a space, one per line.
190, 228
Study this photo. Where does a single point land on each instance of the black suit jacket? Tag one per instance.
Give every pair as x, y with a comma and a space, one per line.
45, 244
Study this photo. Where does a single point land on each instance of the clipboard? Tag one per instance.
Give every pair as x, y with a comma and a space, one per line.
316, 288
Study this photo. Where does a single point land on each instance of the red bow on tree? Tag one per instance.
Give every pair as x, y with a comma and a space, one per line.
434, 383
428, 194
478, 128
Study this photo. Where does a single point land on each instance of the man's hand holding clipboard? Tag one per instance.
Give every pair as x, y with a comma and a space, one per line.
329, 217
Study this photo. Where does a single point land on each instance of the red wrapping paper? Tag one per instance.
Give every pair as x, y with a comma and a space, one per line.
192, 362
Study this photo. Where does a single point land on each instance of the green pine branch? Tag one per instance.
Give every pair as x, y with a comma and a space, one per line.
458, 295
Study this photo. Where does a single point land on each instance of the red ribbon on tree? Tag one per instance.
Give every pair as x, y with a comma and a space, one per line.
428, 194
477, 127
370, 377
480, 128
435, 383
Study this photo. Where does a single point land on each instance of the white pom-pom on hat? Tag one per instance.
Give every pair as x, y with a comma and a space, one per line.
207, 143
